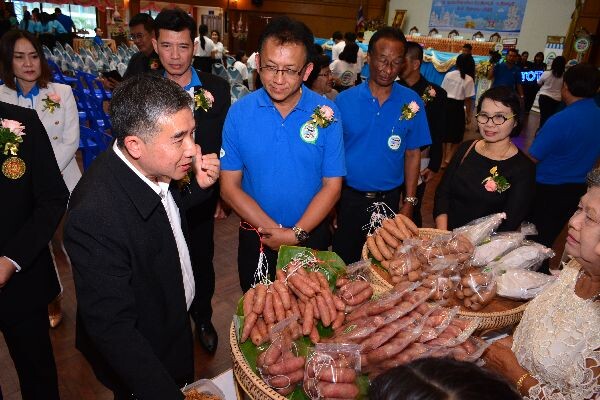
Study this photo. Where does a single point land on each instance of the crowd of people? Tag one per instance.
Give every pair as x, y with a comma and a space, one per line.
301, 161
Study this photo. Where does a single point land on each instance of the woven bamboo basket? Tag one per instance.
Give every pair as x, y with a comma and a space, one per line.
250, 383
488, 320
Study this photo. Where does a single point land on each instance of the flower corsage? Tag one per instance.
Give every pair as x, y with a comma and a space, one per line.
322, 116
11, 133
204, 99
51, 102
428, 94
409, 110
495, 182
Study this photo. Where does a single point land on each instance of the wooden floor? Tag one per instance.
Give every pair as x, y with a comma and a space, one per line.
77, 381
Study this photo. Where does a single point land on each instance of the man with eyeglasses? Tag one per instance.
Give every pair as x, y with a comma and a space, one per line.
384, 128
141, 29
174, 33
282, 172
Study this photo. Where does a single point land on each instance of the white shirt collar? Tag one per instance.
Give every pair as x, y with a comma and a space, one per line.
160, 188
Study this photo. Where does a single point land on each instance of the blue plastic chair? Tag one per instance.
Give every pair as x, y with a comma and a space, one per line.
92, 143
58, 76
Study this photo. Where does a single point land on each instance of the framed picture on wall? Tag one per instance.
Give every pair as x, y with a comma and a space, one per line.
399, 19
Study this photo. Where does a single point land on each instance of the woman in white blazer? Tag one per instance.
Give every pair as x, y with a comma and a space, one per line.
26, 77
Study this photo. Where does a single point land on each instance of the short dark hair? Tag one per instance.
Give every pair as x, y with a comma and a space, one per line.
582, 80
143, 19
415, 51
513, 51
239, 55
507, 97
287, 30
389, 33
525, 52
337, 35
321, 61
350, 53
558, 66
7, 49
176, 20
140, 103
57, 10
440, 379
467, 46
350, 37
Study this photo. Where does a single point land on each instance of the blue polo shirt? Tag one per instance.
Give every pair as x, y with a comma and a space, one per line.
504, 76
282, 161
567, 146
375, 138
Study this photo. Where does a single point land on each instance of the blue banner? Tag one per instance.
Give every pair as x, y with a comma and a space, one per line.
502, 16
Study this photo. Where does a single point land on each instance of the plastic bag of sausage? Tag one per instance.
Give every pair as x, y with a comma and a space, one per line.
280, 365
479, 230
447, 247
477, 288
331, 371
353, 288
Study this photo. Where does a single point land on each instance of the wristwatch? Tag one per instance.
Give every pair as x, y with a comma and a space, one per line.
411, 200
301, 234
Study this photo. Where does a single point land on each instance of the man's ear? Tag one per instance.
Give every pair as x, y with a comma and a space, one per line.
155, 45
134, 146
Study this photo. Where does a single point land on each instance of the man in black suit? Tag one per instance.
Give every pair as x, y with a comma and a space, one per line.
174, 28
126, 239
33, 199
434, 98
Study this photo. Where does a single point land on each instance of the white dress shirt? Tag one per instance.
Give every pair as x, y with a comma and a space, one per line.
166, 198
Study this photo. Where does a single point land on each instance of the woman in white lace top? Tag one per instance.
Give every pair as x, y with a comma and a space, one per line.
555, 351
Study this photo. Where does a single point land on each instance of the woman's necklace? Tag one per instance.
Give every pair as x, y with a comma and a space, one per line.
503, 156
579, 276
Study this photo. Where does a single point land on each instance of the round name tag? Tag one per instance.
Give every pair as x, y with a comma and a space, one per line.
309, 132
394, 142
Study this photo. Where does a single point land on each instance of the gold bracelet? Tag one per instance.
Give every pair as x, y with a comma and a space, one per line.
521, 380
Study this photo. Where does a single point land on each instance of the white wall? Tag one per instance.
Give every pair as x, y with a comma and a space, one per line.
542, 18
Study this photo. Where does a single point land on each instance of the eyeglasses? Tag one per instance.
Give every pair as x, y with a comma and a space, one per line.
272, 71
497, 119
382, 64
137, 36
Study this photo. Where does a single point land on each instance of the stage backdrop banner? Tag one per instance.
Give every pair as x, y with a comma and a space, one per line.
487, 16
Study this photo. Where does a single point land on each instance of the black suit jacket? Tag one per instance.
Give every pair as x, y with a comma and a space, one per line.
209, 124
132, 323
32, 207
436, 118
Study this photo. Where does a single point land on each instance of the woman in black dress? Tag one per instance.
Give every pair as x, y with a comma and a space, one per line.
488, 175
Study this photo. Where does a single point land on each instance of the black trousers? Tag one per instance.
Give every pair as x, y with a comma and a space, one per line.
29, 345
553, 206
201, 226
352, 216
249, 252
548, 107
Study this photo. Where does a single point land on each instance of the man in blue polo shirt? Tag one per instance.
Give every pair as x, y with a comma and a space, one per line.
385, 125
565, 149
507, 73
282, 164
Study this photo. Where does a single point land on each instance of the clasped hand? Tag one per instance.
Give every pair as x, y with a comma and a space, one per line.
277, 237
